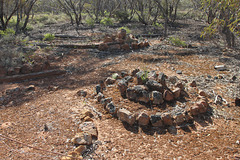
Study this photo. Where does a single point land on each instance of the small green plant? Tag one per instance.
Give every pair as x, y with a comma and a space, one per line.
106, 22
7, 32
177, 42
159, 25
115, 76
49, 37
90, 22
144, 76
127, 29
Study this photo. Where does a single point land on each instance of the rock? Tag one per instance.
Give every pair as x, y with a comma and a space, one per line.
172, 130
98, 89
103, 47
154, 86
37, 67
105, 101
201, 107
131, 94
167, 119
122, 86
156, 120
90, 128
82, 138
124, 74
53, 88
141, 45
111, 108
128, 79
122, 34
177, 92
179, 72
115, 76
179, 118
16, 70
25, 69
193, 84
146, 44
220, 68
126, 116
194, 110
188, 118
125, 47
86, 113
107, 39
237, 102
157, 97
134, 72
30, 88
46, 65
162, 78
152, 75
100, 96
72, 156
202, 93
143, 119
234, 78
82, 93
110, 81
131, 39
134, 46
143, 97
168, 96
14, 91
81, 149
87, 119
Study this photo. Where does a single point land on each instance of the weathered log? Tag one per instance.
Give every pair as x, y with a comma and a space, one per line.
70, 36
31, 76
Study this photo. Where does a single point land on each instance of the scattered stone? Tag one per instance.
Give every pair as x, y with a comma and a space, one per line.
179, 118
177, 92
142, 77
179, 72
188, 118
126, 116
154, 86
134, 72
157, 97
82, 93
143, 97
124, 74
82, 138
125, 47
86, 113
220, 68
162, 78
25, 69
168, 96
103, 47
152, 75
100, 96
110, 81
98, 89
143, 119
53, 88
14, 91
202, 93
111, 108
179, 85
237, 102
167, 119
87, 119
156, 120
131, 95
37, 67
134, 46
201, 107
172, 130
46, 65
122, 86
173, 79
105, 101
234, 78
81, 149
30, 88
193, 84
90, 128
194, 110
128, 79
107, 39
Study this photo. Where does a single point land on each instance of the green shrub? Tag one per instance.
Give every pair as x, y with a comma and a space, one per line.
159, 25
7, 32
90, 22
177, 42
122, 16
106, 22
49, 37
127, 29
42, 17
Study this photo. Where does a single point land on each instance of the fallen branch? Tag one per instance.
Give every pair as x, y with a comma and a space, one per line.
70, 36
32, 75
148, 35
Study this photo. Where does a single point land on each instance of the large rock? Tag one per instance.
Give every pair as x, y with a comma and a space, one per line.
125, 47
168, 96
82, 138
81, 149
105, 101
152, 75
154, 85
179, 118
98, 89
194, 110
177, 92
193, 84
162, 78
111, 108
131, 94
122, 86
134, 72
126, 116
143, 119
156, 120
99, 97
143, 97
167, 119
237, 102
103, 47
157, 97
90, 128
128, 79
201, 107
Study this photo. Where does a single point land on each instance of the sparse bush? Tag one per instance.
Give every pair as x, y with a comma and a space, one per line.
7, 32
159, 25
177, 42
49, 37
122, 16
90, 22
127, 29
106, 22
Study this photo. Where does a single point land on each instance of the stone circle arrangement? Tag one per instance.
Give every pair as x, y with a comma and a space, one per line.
150, 88
121, 41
